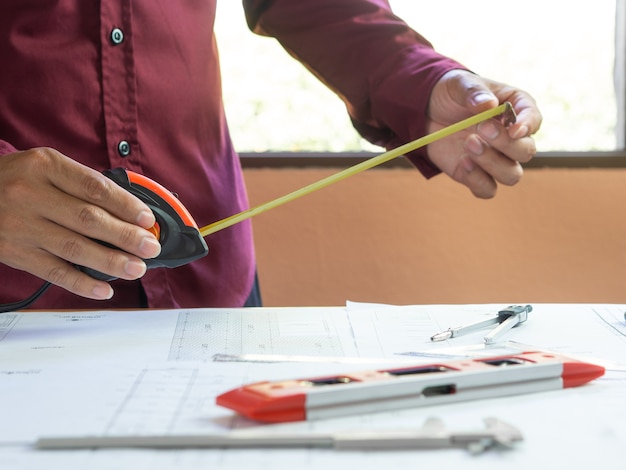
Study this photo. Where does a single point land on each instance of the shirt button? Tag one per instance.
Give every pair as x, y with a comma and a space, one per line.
117, 36
123, 148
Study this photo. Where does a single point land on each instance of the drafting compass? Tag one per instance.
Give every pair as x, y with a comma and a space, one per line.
506, 319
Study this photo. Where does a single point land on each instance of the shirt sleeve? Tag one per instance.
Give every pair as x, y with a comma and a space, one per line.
382, 69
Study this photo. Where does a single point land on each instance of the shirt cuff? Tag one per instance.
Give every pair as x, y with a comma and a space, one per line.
6, 148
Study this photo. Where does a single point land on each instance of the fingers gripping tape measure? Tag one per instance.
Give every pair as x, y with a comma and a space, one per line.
175, 229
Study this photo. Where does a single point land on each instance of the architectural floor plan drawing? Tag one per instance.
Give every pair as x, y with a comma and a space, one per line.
142, 373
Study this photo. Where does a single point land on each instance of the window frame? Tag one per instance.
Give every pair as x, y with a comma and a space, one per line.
620, 73
249, 160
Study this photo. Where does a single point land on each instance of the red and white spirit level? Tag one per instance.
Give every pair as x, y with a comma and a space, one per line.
406, 387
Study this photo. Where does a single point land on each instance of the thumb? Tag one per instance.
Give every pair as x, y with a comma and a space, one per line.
472, 91
482, 100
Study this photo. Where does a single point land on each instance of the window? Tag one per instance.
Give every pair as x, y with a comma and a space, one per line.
562, 52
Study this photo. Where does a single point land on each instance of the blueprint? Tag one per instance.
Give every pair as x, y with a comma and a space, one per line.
157, 372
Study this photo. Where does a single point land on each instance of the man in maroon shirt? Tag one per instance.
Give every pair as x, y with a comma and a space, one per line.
86, 86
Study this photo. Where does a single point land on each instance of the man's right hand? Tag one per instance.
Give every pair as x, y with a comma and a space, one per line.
51, 210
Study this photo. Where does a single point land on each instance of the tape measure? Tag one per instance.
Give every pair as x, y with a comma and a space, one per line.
175, 228
182, 241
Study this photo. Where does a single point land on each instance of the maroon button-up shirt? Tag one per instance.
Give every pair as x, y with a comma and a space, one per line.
136, 84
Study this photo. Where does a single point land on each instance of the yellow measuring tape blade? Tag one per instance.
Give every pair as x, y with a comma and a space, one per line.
353, 170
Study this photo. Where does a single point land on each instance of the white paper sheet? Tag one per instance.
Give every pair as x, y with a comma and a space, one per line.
151, 372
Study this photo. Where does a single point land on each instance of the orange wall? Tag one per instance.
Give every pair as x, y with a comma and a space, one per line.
390, 236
